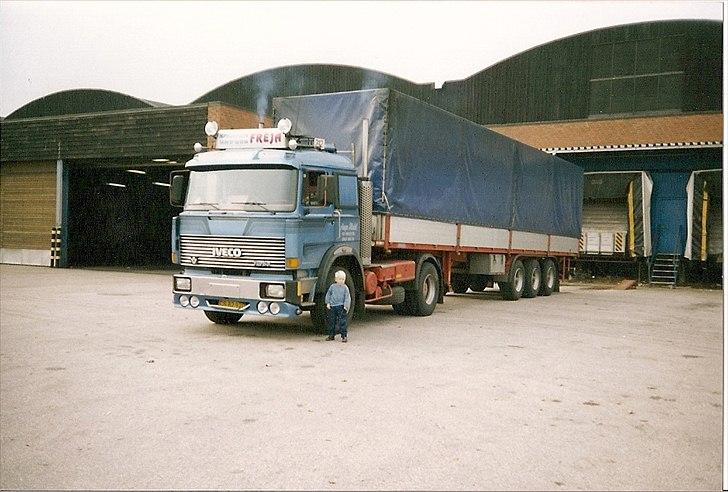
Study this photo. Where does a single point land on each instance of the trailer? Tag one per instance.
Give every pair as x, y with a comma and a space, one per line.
409, 200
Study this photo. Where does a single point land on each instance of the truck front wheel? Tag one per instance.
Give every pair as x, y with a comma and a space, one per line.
223, 318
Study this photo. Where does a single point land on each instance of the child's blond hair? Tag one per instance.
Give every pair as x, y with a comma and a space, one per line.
340, 275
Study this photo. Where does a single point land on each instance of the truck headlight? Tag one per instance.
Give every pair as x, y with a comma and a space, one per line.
274, 308
183, 284
184, 301
276, 291
262, 307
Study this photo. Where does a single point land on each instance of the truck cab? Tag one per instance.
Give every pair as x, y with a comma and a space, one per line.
264, 218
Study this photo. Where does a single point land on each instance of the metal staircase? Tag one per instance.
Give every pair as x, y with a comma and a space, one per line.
664, 269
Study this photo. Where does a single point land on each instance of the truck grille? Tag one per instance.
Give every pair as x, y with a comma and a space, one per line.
256, 253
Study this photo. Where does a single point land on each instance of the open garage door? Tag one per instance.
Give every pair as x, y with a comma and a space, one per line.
119, 216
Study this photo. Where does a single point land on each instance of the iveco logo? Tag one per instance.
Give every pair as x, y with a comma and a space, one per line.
238, 253
227, 252
193, 260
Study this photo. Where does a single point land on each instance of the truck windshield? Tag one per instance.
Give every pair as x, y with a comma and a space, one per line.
252, 190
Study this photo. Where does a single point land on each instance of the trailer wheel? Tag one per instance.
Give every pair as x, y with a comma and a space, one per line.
223, 318
533, 278
319, 313
513, 289
548, 277
478, 283
422, 300
459, 283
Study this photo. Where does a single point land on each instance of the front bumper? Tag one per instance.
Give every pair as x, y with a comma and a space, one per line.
243, 295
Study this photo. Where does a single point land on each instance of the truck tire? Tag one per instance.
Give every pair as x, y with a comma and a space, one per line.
223, 318
459, 283
402, 309
512, 290
319, 312
533, 278
478, 283
422, 300
548, 277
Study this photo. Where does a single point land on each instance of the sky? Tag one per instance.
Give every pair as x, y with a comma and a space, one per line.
174, 52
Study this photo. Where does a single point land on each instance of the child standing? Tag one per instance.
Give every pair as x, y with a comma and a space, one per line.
338, 302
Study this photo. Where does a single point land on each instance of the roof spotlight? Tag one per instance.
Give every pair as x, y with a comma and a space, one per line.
211, 128
285, 125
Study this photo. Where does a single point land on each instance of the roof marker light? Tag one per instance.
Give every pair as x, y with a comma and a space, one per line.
198, 147
285, 125
292, 144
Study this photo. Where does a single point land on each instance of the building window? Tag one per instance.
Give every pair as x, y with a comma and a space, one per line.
637, 76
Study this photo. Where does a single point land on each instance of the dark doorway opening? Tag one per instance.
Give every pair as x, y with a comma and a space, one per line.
119, 217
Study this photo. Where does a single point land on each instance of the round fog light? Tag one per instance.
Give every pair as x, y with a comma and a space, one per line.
262, 307
275, 308
184, 301
194, 301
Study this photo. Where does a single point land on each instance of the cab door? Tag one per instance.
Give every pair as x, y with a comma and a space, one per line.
348, 211
320, 229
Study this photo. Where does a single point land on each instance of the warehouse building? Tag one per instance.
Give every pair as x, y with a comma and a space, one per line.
639, 107
95, 184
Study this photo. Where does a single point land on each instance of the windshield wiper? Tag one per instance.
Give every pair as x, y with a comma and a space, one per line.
260, 204
205, 203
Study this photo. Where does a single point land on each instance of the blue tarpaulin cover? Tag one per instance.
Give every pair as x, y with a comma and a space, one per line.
427, 163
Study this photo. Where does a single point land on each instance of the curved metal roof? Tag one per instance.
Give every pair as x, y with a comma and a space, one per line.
256, 90
549, 82
609, 34
76, 101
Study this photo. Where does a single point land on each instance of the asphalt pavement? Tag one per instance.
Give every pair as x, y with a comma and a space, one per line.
105, 385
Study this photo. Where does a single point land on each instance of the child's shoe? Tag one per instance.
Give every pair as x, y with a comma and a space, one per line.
329, 338
343, 339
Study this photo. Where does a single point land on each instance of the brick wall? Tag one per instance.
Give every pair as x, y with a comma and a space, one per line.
625, 131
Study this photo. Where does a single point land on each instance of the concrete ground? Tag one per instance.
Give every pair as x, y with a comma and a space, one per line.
103, 384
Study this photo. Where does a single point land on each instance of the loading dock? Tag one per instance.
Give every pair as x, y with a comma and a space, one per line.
704, 244
616, 216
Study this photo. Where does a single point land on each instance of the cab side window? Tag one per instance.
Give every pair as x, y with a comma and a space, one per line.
311, 195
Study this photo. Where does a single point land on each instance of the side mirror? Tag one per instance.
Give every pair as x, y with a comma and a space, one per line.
178, 187
327, 189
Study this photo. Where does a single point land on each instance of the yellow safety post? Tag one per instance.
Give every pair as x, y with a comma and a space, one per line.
630, 218
704, 225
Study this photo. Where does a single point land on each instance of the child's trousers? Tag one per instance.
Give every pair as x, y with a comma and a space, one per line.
337, 321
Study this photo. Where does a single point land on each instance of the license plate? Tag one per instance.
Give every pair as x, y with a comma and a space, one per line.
230, 304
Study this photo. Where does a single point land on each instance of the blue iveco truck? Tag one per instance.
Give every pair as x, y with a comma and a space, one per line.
415, 202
